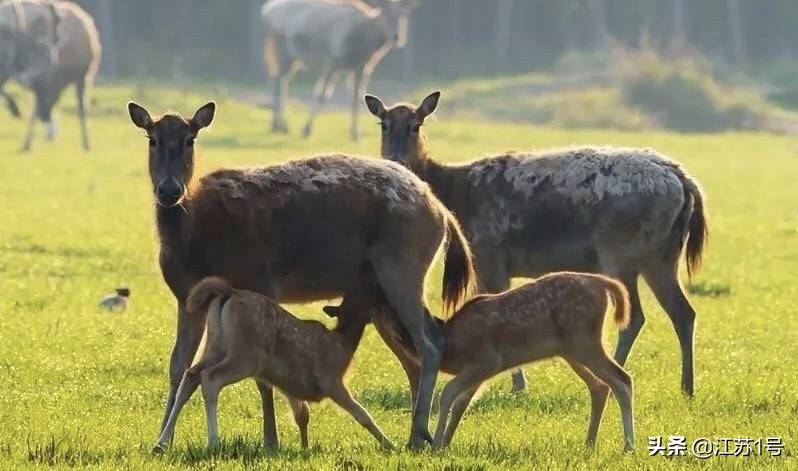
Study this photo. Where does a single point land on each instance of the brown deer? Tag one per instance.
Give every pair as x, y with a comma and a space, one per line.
618, 211
331, 37
54, 45
296, 232
250, 336
560, 314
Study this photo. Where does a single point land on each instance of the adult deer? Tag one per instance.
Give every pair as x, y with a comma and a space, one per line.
47, 45
617, 211
296, 232
329, 36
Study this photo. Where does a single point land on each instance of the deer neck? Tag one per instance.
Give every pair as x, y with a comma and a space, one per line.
351, 331
438, 176
171, 223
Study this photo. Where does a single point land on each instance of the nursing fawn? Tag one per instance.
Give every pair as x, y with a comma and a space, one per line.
250, 336
561, 314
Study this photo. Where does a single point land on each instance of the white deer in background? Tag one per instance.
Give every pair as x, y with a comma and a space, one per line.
329, 36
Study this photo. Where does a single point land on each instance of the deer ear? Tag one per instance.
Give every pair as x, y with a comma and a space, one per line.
375, 105
332, 311
204, 116
139, 116
428, 105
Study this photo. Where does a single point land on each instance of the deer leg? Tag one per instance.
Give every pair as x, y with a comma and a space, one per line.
270, 437
458, 409
10, 103
344, 399
466, 381
187, 387
80, 92
608, 371
627, 337
213, 379
45, 103
189, 334
301, 417
281, 81
28, 139
599, 392
320, 92
51, 128
359, 84
387, 328
664, 282
404, 294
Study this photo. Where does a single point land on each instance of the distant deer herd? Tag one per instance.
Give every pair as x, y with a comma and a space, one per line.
585, 221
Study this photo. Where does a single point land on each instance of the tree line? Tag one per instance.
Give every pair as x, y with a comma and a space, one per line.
448, 38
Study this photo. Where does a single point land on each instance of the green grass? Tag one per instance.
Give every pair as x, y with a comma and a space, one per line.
82, 387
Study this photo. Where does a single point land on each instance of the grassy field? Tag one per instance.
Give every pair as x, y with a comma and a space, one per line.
83, 387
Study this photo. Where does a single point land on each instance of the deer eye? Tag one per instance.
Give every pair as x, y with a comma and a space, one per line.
415, 128
383, 126
190, 142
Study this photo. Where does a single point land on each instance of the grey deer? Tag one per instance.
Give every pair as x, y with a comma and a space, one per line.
329, 36
622, 212
46, 46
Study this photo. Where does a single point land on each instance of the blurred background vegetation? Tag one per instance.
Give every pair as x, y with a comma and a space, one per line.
703, 66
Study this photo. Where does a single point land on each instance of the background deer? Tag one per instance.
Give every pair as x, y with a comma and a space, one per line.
329, 36
561, 314
51, 45
296, 232
618, 211
250, 336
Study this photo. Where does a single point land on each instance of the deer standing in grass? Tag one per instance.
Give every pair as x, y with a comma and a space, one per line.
622, 212
300, 231
250, 336
48, 45
329, 36
561, 314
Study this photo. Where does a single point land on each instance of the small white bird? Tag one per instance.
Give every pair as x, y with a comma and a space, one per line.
116, 301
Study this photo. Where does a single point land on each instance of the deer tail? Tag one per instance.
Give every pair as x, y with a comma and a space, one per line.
620, 299
459, 276
698, 229
206, 291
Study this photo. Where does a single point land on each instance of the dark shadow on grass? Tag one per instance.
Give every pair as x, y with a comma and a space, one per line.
70, 452
241, 449
491, 399
385, 398
710, 290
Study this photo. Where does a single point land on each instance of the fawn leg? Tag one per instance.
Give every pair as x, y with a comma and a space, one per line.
301, 417
270, 438
599, 392
344, 399
458, 409
213, 380
467, 380
184, 392
187, 340
607, 370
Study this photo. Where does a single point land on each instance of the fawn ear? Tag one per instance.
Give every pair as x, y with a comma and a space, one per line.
332, 311
139, 116
428, 105
204, 116
375, 105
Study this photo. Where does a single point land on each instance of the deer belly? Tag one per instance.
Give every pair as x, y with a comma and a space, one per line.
567, 254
